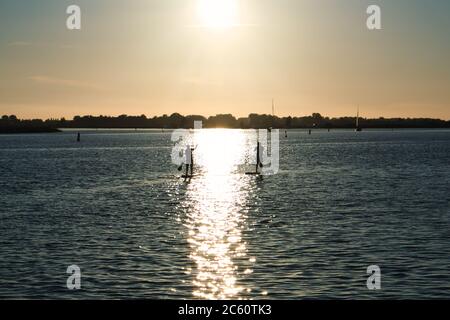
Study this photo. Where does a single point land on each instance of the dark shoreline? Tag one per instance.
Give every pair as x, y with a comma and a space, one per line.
62, 130
11, 124
20, 130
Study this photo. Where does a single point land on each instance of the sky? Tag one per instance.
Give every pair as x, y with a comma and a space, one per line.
157, 57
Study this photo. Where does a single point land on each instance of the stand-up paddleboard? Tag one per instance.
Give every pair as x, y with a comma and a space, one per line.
253, 173
187, 176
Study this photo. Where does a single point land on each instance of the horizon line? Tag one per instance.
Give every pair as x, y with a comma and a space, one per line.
224, 114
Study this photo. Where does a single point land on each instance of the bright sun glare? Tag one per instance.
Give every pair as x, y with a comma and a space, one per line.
217, 13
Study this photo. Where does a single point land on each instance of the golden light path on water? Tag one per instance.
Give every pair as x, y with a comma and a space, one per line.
216, 216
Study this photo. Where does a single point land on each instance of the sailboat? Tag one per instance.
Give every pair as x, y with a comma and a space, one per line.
358, 128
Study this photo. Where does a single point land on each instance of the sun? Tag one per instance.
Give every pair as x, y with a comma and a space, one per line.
217, 13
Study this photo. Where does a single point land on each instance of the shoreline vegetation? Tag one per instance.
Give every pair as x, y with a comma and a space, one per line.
11, 124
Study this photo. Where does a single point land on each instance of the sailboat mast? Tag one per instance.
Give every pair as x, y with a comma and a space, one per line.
357, 118
273, 108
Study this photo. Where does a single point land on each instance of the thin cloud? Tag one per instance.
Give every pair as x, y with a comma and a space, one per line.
19, 44
40, 44
64, 82
231, 26
201, 81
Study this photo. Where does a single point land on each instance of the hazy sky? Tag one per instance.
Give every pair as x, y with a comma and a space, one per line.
157, 57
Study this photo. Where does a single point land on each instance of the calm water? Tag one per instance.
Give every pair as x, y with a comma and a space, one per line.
115, 205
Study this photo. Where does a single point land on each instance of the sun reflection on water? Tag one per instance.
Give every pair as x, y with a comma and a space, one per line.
216, 216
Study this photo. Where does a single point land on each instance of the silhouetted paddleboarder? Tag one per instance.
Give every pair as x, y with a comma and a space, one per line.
78, 137
189, 162
259, 151
188, 155
192, 161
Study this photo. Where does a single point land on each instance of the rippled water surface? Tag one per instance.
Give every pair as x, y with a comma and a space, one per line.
115, 205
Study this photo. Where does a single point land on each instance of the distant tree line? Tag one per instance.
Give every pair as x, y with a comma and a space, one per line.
253, 121
10, 124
